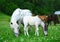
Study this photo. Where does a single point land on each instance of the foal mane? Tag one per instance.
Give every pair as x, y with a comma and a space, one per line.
43, 17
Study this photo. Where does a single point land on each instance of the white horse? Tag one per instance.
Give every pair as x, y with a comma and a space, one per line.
36, 21
17, 18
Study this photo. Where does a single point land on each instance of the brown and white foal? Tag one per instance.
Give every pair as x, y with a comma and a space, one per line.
36, 21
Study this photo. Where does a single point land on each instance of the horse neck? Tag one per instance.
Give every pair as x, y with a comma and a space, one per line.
13, 20
16, 15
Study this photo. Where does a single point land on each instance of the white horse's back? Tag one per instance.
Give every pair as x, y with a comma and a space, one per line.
20, 13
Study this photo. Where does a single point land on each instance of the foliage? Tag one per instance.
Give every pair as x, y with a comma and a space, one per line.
28, 5
10, 7
36, 6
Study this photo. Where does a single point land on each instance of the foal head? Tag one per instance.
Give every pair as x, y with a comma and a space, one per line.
46, 29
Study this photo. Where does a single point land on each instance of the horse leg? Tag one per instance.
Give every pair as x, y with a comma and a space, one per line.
36, 31
25, 30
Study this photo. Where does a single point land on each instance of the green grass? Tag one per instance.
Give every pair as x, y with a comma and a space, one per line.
7, 35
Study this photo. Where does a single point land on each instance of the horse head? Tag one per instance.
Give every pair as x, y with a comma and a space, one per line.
15, 27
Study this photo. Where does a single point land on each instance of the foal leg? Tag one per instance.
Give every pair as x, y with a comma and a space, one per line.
36, 31
26, 30
25, 26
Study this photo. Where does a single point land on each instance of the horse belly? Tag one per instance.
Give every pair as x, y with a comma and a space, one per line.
31, 22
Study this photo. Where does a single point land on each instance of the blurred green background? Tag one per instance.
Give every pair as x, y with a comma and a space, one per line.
36, 6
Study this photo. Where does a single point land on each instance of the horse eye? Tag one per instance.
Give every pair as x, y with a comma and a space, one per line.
11, 23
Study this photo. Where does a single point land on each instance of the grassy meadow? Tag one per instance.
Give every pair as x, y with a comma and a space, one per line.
7, 35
